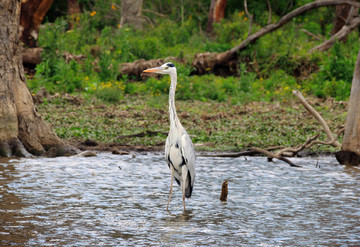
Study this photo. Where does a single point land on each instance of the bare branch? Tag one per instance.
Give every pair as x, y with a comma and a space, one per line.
311, 34
269, 7
275, 156
154, 12
251, 17
343, 32
224, 191
291, 152
318, 117
238, 154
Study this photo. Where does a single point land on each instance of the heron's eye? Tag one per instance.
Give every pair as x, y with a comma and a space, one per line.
166, 67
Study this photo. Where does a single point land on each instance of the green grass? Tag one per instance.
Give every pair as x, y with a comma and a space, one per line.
212, 125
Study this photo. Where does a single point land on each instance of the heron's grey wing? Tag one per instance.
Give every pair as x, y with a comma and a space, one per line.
188, 153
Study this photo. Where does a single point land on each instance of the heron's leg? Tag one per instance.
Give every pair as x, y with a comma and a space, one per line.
171, 186
183, 184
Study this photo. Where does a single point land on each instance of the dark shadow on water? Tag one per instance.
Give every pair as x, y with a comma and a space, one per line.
15, 229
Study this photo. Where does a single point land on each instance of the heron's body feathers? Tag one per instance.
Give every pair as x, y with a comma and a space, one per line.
179, 152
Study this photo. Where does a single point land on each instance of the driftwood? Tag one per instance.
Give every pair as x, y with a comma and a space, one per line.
206, 62
318, 117
224, 191
291, 152
284, 153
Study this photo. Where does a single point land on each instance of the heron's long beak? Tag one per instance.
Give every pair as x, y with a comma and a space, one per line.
157, 69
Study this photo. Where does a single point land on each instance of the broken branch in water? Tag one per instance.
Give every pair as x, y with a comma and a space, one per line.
275, 156
224, 191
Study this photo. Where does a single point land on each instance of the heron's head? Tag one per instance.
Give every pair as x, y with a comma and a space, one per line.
167, 68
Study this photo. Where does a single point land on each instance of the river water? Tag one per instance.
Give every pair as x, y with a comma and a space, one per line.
117, 200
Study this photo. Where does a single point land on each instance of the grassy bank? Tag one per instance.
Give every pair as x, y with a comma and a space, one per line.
213, 125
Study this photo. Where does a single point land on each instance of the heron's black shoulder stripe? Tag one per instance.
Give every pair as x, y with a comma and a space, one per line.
183, 161
170, 163
170, 65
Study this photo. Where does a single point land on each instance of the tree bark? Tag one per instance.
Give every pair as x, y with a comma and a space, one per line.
73, 12
342, 13
32, 14
216, 13
131, 13
32, 55
209, 62
22, 130
350, 149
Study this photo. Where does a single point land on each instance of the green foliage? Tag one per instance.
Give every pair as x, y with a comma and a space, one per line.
269, 69
338, 65
110, 91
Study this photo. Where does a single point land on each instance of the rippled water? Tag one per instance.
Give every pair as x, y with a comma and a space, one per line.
121, 200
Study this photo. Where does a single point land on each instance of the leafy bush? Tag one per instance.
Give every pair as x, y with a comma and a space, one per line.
111, 91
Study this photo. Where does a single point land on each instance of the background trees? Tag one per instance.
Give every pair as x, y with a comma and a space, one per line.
284, 46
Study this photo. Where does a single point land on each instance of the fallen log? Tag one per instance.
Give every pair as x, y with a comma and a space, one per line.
137, 67
32, 55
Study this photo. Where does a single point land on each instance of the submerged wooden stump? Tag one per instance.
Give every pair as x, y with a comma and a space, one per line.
224, 191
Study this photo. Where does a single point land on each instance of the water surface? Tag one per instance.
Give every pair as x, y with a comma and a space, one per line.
121, 200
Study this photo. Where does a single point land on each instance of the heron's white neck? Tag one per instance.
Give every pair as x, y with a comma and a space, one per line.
174, 120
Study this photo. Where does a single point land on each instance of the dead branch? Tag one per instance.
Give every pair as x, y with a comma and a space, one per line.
275, 156
154, 12
340, 35
326, 128
224, 191
311, 34
137, 67
269, 7
32, 55
238, 154
250, 17
291, 152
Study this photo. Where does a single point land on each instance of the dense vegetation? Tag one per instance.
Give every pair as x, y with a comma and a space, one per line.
267, 71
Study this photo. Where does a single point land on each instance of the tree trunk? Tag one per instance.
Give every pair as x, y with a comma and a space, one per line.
341, 14
216, 13
131, 13
73, 12
22, 130
32, 14
350, 149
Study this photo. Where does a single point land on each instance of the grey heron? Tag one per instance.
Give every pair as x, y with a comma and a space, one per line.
179, 149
